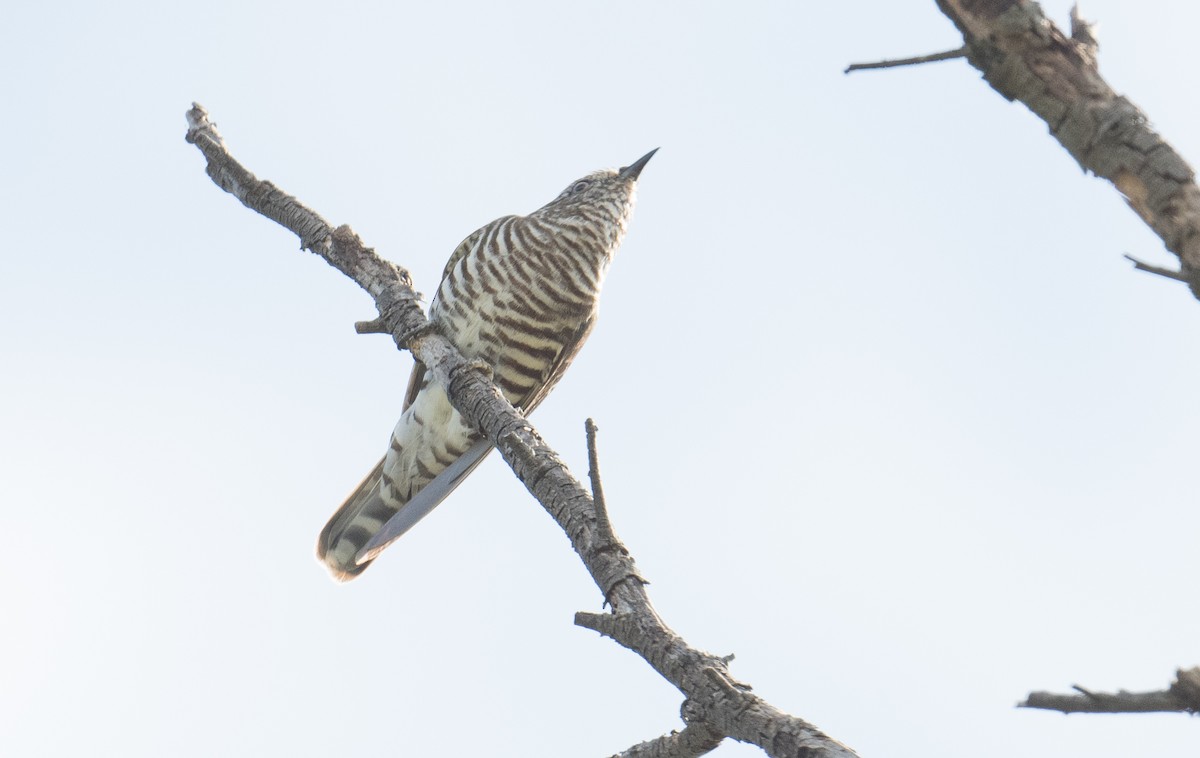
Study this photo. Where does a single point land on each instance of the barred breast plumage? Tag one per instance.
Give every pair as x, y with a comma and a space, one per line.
519, 294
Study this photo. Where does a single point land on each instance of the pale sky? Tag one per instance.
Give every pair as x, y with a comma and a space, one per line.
883, 410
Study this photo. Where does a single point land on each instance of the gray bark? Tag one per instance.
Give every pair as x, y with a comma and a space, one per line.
1183, 696
1025, 57
717, 706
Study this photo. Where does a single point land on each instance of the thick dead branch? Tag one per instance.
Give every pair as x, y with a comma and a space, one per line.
1183, 696
695, 740
718, 706
1025, 57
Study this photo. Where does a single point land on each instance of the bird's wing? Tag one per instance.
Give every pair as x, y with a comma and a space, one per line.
432, 494
557, 367
424, 501
469, 243
416, 380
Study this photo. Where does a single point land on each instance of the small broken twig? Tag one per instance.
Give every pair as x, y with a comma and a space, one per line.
1161, 271
947, 55
603, 525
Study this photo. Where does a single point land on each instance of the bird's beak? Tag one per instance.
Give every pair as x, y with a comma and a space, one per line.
633, 169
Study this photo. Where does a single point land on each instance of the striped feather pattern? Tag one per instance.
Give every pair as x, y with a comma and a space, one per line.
520, 294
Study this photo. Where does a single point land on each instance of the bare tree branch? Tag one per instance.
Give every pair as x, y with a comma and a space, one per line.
1183, 696
717, 704
1025, 57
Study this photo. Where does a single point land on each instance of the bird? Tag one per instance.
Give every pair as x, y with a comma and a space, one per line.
520, 296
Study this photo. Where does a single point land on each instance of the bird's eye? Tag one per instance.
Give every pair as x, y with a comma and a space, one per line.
580, 186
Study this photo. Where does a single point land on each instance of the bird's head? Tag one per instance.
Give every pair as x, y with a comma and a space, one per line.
604, 197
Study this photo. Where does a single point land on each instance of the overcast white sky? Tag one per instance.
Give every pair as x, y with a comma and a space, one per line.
883, 410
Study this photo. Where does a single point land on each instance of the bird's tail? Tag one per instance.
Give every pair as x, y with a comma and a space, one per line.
431, 451
352, 526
